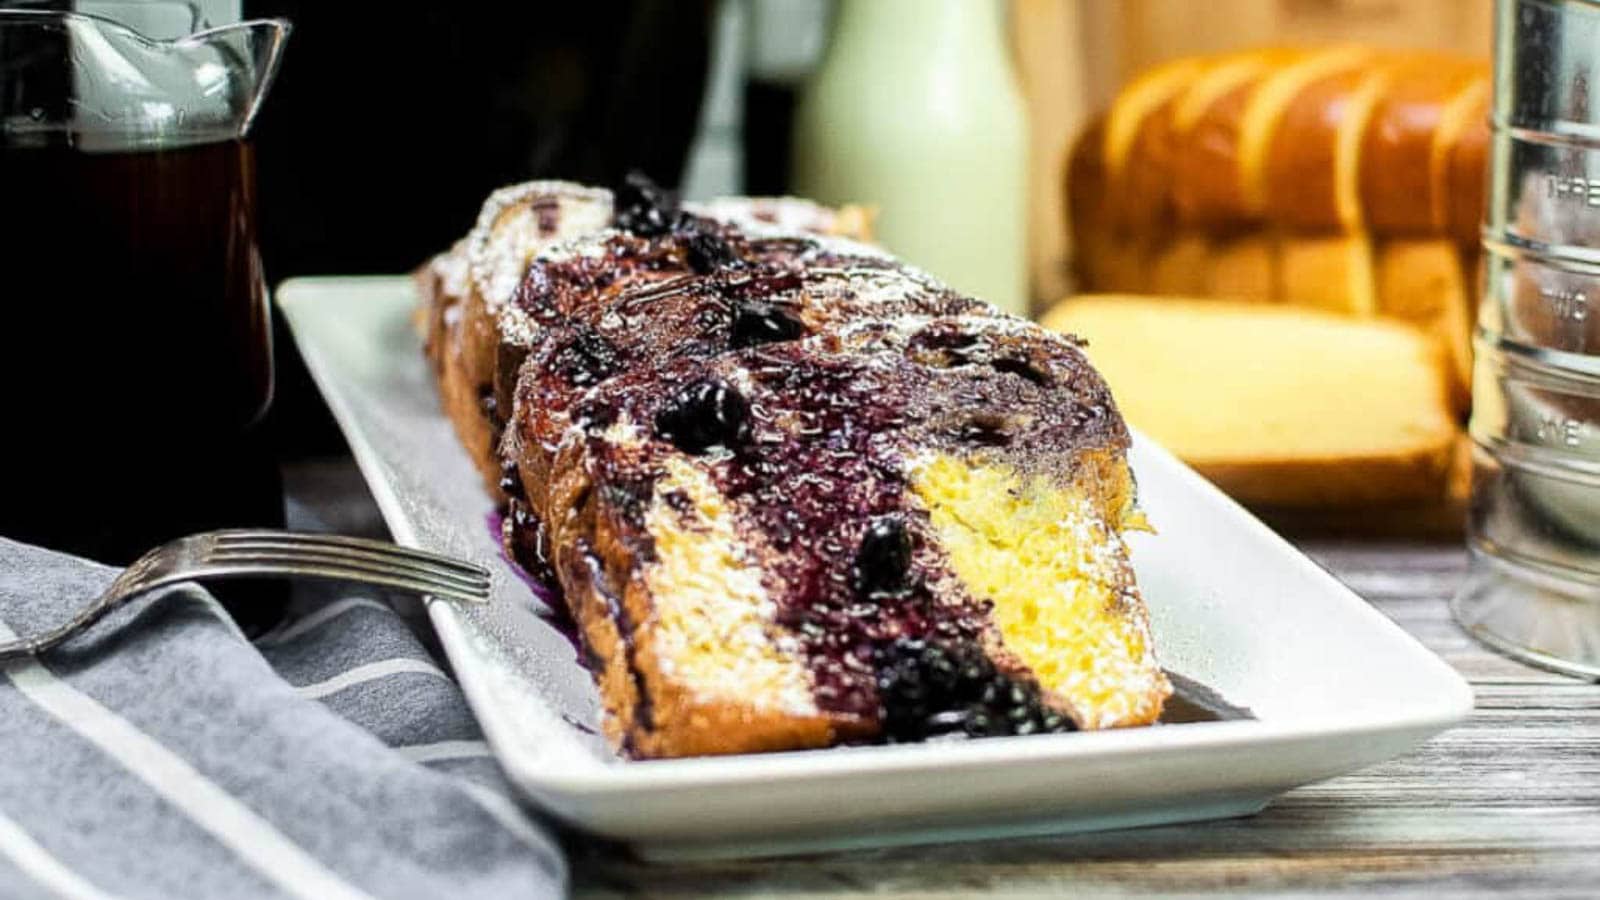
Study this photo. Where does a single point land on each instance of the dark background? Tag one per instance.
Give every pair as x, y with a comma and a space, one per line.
387, 128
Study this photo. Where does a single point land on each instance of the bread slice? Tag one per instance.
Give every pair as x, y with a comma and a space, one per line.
1332, 272
1422, 114
1423, 281
1278, 406
1313, 163
1138, 142
796, 493
1208, 187
476, 328
464, 289
1182, 265
1261, 120
1467, 162
761, 546
1246, 266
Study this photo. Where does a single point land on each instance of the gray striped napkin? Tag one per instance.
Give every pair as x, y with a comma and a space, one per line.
160, 754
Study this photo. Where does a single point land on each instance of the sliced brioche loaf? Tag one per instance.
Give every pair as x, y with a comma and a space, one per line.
1279, 406
1304, 175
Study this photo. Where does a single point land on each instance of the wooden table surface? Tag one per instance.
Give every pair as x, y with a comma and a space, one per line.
1508, 803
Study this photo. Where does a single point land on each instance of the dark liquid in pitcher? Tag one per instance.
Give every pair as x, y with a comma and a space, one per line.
138, 358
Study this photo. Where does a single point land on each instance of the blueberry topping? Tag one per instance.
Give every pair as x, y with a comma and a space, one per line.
927, 688
530, 546
510, 482
763, 283
707, 251
595, 413
758, 322
586, 359
986, 430
643, 207
1022, 369
883, 562
630, 497
702, 415
943, 348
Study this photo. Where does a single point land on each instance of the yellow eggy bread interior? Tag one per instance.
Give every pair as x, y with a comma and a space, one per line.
1050, 558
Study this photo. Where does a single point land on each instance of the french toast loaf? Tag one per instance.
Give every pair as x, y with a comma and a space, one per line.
772, 528
477, 327
797, 494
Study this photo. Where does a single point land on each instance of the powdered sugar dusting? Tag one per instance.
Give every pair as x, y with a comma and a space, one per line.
791, 214
714, 622
519, 221
450, 267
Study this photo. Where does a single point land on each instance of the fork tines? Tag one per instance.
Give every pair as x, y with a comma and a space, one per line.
449, 576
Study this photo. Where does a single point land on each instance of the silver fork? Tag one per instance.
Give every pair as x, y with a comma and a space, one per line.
217, 555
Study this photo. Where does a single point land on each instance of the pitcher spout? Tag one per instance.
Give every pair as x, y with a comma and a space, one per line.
247, 56
96, 84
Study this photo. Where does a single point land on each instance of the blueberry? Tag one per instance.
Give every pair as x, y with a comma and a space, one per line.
945, 722
758, 322
1019, 696
927, 687
942, 671
510, 482
706, 251
704, 414
587, 359
937, 687
979, 723
643, 207
883, 562
993, 691
924, 686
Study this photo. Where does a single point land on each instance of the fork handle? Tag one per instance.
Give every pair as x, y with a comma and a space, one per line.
102, 605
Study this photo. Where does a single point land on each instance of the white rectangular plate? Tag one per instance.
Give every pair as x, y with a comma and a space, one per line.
1334, 685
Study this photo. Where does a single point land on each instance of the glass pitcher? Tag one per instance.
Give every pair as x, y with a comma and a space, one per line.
140, 360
